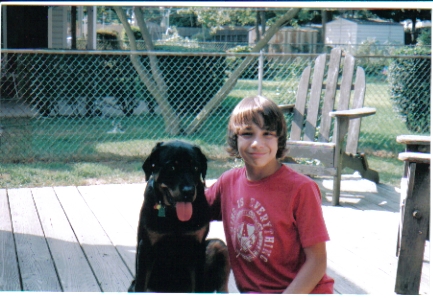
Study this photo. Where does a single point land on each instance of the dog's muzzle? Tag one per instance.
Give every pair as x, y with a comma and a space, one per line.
182, 201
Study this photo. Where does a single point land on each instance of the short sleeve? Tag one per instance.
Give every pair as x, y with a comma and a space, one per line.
308, 215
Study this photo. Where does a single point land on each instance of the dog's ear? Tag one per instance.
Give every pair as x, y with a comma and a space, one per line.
150, 163
202, 161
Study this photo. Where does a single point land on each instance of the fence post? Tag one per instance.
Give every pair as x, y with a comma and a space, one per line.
260, 72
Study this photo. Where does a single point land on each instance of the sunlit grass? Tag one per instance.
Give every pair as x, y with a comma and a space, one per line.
81, 151
85, 173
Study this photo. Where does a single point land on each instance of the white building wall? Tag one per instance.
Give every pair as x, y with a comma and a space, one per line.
341, 31
382, 33
57, 27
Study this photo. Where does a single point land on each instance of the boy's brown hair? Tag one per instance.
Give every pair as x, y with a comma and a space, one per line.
252, 110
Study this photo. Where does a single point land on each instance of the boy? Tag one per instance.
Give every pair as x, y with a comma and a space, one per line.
272, 215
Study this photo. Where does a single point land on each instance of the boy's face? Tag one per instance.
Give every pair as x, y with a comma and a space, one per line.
258, 147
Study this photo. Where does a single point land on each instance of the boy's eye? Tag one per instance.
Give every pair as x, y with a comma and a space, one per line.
270, 133
246, 134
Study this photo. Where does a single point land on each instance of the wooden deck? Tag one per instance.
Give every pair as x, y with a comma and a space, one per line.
83, 238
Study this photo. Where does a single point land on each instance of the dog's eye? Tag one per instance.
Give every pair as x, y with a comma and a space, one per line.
173, 168
196, 169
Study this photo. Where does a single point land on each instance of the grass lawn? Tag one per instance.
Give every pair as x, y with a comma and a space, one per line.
88, 173
67, 151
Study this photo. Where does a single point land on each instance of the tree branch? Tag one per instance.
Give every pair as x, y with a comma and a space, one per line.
154, 84
216, 100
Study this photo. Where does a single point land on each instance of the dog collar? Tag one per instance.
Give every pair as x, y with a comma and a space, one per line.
160, 208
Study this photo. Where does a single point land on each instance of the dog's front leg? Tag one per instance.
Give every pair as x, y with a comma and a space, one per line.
217, 266
141, 266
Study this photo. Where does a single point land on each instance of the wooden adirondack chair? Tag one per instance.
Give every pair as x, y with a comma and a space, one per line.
304, 142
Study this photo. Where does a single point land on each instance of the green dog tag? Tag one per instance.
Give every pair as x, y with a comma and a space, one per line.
161, 212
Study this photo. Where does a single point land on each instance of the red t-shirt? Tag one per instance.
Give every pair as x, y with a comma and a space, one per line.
267, 223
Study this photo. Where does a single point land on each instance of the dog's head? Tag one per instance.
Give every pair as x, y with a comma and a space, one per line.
177, 169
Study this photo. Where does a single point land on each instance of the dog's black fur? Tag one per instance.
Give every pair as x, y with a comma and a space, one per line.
173, 254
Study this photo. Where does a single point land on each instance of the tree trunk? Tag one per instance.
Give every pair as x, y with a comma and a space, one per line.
263, 21
73, 27
412, 31
231, 81
151, 78
257, 26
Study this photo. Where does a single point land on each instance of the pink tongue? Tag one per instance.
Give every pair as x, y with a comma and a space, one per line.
184, 211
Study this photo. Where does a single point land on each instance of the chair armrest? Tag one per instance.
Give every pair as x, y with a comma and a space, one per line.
415, 157
288, 108
353, 113
414, 140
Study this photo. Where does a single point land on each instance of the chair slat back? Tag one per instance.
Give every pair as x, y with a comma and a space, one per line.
357, 102
315, 95
308, 99
301, 100
346, 82
330, 92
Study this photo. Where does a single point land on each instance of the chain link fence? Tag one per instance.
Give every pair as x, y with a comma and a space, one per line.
106, 105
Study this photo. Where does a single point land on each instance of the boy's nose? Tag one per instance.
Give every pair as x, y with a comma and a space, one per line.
256, 142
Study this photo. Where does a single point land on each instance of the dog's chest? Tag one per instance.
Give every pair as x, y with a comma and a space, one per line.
181, 237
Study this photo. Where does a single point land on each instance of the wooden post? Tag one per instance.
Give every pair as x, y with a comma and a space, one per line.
91, 27
416, 218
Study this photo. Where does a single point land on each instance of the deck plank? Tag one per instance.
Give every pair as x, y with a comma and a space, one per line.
122, 235
36, 265
128, 203
9, 275
358, 255
361, 252
110, 270
74, 271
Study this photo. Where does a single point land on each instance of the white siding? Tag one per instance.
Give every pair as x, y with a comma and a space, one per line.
382, 33
57, 23
342, 31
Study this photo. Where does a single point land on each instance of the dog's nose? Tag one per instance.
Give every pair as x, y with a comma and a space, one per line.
188, 192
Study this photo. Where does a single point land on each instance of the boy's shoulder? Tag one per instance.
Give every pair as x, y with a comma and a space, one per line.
234, 173
295, 176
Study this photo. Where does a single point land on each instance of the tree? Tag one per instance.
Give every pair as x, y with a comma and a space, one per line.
231, 81
152, 78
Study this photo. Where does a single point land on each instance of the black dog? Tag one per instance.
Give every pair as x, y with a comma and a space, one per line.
173, 254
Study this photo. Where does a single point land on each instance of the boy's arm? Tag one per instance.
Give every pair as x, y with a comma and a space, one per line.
212, 197
311, 272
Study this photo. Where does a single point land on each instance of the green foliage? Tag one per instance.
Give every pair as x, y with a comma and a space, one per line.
232, 62
372, 47
184, 18
410, 82
135, 30
191, 80
424, 39
108, 40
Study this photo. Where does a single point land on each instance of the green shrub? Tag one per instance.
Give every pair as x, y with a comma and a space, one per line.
372, 47
108, 40
424, 39
409, 80
191, 80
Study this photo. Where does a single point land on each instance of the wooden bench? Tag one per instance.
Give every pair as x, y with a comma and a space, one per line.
415, 212
310, 135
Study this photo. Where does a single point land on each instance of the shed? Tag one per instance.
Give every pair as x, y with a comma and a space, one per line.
290, 39
355, 31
